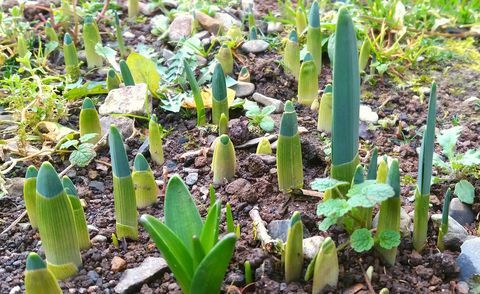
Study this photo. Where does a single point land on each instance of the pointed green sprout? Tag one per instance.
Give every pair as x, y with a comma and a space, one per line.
229, 218
364, 54
126, 74
133, 9
22, 47
264, 146
373, 165
291, 55
219, 94
223, 125
155, 141
71, 59
294, 249
422, 191
252, 34
113, 81
197, 97
324, 122
248, 272
225, 58
443, 230
314, 36
300, 20
224, 163
289, 152
29, 195
56, 224
190, 246
326, 266
91, 37
346, 103
123, 189
51, 33
119, 34
146, 189
307, 81
389, 218
38, 279
89, 121
244, 75
78, 213
361, 216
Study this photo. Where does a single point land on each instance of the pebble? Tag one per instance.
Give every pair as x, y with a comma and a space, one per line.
15, 290
93, 276
405, 222
274, 27
124, 124
191, 179
118, 264
128, 35
99, 239
456, 235
235, 278
461, 212
126, 100
367, 114
135, 277
244, 89
170, 165
278, 229
208, 23
181, 27
469, 259
462, 287
227, 20
267, 101
97, 185
255, 46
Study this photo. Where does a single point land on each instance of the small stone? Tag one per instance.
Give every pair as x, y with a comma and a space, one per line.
367, 114
255, 46
461, 212
92, 289
456, 234
99, 239
201, 61
278, 229
227, 21
200, 161
15, 290
118, 264
274, 27
126, 100
135, 277
93, 276
267, 101
92, 228
128, 35
235, 278
191, 179
462, 288
241, 188
97, 185
469, 259
405, 222
207, 22
181, 27
167, 54
311, 245
244, 89
170, 165
266, 158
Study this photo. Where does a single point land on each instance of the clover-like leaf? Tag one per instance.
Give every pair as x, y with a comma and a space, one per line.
448, 139
361, 240
326, 223
465, 191
369, 193
389, 239
83, 155
324, 184
333, 208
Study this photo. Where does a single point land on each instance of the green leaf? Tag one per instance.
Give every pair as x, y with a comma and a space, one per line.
209, 234
249, 105
324, 184
109, 54
83, 155
448, 139
389, 239
267, 124
369, 193
361, 240
143, 70
465, 191
438, 161
88, 137
471, 157
326, 223
268, 110
75, 91
333, 208
69, 144
208, 277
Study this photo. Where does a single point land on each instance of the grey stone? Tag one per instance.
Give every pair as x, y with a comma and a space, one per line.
227, 20
97, 185
367, 114
93, 276
266, 158
170, 165
99, 239
135, 277
124, 124
255, 46
92, 228
456, 234
274, 27
461, 212
405, 222
267, 101
191, 179
181, 27
278, 229
15, 290
469, 259
126, 100
244, 89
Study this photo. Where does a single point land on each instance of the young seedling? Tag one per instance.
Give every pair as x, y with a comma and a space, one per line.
364, 54
224, 163
155, 141
307, 81
91, 37
38, 279
294, 249
264, 146
325, 266
314, 36
291, 55
252, 34
324, 122
78, 213
51, 33
289, 152
201, 118
300, 20
146, 189
229, 218
244, 75
443, 230
22, 47
123, 189
113, 81
119, 34
30, 194
126, 74
89, 121
56, 224
133, 9
219, 94
225, 58
422, 191
223, 125
71, 59
248, 272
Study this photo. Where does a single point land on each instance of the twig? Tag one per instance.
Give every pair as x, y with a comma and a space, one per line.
104, 9
14, 222
268, 243
304, 192
367, 279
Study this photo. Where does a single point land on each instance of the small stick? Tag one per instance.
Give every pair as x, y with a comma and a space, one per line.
24, 213
367, 279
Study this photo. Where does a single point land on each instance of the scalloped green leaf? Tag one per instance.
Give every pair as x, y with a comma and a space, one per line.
83, 155
361, 240
333, 208
324, 184
326, 223
389, 239
369, 193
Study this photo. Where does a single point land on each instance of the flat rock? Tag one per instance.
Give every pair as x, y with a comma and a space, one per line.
405, 222
255, 46
469, 259
461, 212
244, 89
181, 27
227, 20
456, 235
134, 278
207, 22
126, 100
124, 124
267, 101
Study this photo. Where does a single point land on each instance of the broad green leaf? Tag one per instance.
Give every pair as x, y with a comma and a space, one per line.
109, 54
389, 239
69, 144
438, 161
267, 124
87, 89
143, 70
176, 255
87, 137
209, 275
83, 155
326, 223
324, 184
268, 109
465, 191
333, 208
369, 193
249, 105
209, 235
181, 214
471, 157
361, 240
448, 139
